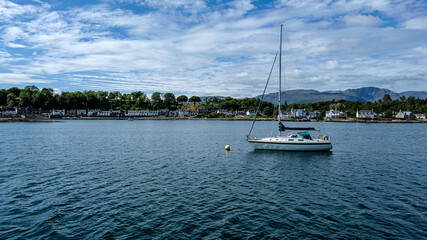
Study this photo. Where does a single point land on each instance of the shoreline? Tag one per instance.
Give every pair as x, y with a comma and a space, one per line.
352, 120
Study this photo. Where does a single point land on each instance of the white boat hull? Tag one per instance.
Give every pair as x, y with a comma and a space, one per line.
286, 146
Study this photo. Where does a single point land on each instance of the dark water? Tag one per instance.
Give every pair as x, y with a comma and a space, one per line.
173, 179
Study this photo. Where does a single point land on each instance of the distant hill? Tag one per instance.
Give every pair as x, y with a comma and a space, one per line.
416, 94
371, 94
365, 94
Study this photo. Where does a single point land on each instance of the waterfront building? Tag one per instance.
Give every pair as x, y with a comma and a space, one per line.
420, 116
299, 113
313, 114
405, 115
58, 112
287, 114
133, 113
115, 113
224, 111
366, 114
151, 113
93, 112
252, 113
104, 113
163, 112
240, 112
334, 114
173, 113
184, 113
81, 112
32, 111
10, 111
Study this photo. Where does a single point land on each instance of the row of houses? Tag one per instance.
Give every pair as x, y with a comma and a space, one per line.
242, 113
24, 111
399, 115
361, 114
300, 113
294, 113
102, 113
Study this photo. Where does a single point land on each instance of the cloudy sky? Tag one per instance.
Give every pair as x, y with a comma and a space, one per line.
212, 47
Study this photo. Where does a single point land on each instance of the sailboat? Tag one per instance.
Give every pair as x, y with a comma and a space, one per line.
289, 138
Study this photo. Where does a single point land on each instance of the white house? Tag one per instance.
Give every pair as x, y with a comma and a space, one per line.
151, 113
224, 111
173, 113
10, 111
420, 116
184, 112
405, 115
250, 113
240, 112
313, 114
333, 114
133, 113
81, 112
299, 113
104, 114
253, 113
163, 112
287, 114
58, 112
366, 114
93, 112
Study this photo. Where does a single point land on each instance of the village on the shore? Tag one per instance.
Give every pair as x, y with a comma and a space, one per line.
293, 115
33, 103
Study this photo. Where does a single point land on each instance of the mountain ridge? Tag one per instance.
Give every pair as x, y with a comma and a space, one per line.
363, 94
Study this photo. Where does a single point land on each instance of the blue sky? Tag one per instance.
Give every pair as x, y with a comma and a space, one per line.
212, 47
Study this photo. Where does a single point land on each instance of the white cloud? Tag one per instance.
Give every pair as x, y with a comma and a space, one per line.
416, 23
363, 20
9, 10
242, 74
11, 34
15, 45
332, 65
19, 78
224, 49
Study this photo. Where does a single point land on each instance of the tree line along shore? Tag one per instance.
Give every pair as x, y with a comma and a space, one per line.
32, 103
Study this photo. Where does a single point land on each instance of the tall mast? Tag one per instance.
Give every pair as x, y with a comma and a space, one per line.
280, 78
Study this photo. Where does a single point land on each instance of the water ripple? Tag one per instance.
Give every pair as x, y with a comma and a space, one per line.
172, 179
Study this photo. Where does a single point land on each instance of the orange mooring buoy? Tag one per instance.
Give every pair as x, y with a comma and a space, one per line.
227, 147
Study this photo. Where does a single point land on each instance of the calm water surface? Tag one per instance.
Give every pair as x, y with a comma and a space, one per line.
172, 179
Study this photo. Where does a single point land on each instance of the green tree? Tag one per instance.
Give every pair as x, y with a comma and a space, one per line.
25, 99
114, 98
3, 97
11, 100
31, 89
268, 111
340, 107
388, 113
195, 99
91, 99
16, 91
143, 102
181, 99
47, 98
103, 102
169, 100
156, 100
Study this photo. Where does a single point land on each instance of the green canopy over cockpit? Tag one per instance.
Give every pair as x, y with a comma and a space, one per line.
305, 135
